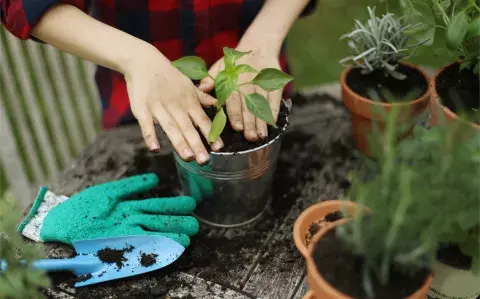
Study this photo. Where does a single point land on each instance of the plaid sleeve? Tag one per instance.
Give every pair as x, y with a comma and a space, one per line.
20, 16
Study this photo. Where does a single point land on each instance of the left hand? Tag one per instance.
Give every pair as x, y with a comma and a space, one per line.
241, 119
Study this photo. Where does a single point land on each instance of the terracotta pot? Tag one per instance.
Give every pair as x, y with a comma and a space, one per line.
440, 113
323, 290
362, 110
313, 214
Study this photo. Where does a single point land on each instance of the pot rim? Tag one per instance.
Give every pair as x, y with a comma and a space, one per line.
288, 104
423, 97
313, 271
436, 98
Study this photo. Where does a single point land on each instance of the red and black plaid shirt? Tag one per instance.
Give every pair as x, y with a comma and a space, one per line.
175, 27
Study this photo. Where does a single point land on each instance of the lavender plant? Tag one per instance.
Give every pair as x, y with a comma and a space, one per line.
379, 44
226, 82
423, 192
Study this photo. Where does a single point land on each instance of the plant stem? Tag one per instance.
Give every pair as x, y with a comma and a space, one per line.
444, 14
243, 84
473, 4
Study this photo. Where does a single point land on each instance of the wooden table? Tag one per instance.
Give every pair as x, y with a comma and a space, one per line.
255, 261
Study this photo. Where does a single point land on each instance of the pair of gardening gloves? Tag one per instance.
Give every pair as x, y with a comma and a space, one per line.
104, 211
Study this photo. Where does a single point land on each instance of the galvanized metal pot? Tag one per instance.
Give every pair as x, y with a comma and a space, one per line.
234, 188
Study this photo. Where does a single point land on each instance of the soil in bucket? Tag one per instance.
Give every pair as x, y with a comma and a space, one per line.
235, 141
450, 254
340, 268
406, 90
459, 91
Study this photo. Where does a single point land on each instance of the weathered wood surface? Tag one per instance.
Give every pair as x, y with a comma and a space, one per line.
255, 261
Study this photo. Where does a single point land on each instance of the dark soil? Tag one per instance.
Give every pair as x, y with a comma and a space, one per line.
361, 83
451, 255
146, 260
343, 270
114, 256
83, 278
459, 91
317, 225
310, 165
235, 141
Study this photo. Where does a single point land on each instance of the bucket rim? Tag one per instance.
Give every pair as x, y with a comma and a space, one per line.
288, 104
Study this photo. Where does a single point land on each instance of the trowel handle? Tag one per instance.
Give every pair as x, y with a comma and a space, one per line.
79, 265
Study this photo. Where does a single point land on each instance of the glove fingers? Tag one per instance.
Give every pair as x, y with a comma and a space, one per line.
129, 186
183, 239
169, 224
181, 205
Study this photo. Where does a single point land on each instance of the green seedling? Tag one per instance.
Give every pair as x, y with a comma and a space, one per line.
226, 83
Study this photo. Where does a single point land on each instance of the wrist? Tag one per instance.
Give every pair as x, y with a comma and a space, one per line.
143, 55
267, 46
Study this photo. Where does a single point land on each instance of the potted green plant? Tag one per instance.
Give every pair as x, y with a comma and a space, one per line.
18, 281
234, 188
451, 169
377, 78
455, 88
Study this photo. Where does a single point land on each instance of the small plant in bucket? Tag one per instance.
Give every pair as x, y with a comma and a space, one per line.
226, 83
376, 78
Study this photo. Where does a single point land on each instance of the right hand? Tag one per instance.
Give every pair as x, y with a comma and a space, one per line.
159, 92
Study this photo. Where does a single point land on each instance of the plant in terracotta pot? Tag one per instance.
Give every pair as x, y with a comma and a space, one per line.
451, 170
455, 88
388, 252
376, 79
234, 188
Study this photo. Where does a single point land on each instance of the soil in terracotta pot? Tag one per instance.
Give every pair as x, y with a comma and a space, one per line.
459, 91
319, 224
451, 255
406, 90
343, 270
235, 141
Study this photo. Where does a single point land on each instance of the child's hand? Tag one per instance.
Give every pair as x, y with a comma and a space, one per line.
240, 117
159, 92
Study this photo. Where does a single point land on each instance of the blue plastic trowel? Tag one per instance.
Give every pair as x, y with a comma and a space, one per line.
100, 260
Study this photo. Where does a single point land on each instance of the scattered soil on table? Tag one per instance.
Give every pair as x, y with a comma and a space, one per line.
235, 141
305, 168
451, 255
146, 260
459, 90
319, 224
377, 80
343, 270
114, 256
83, 278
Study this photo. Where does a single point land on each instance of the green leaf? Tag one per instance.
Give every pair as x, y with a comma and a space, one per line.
271, 79
418, 13
193, 67
473, 29
245, 68
218, 125
259, 106
231, 56
225, 84
476, 265
471, 246
457, 30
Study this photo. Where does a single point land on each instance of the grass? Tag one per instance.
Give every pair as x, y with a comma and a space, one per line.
314, 48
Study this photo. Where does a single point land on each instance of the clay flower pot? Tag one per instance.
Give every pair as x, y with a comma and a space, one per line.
363, 115
439, 112
323, 290
314, 214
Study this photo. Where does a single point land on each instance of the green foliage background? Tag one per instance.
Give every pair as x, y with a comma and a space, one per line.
314, 48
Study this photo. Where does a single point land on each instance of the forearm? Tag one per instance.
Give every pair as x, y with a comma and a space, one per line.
73, 31
272, 24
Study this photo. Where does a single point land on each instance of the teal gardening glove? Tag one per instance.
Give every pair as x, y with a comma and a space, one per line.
103, 211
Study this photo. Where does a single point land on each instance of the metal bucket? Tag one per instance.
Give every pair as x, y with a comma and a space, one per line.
234, 188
